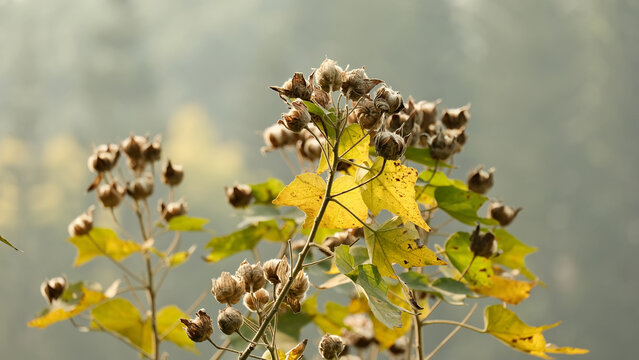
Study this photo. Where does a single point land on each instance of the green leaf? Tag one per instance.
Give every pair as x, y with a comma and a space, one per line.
122, 317
324, 114
3, 240
459, 254
422, 156
102, 242
186, 223
513, 252
450, 290
291, 324
246, 239
170, 327
397, 243
439, 179
180, 257
266, 192
461, 205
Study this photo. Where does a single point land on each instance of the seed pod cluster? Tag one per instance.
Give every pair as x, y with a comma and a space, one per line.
200, 328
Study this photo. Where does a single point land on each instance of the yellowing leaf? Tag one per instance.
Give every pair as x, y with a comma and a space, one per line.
506, 326
393, 190
332, 321
170, 327
102, 242
180, 257
459, 254
508, 290
122, 317
297, 352
307, 193
359, 152
89, 298
513, 252
6, 242
387, 336
187, 223
396, 243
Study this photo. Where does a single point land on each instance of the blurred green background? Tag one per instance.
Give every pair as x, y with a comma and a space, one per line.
554, 87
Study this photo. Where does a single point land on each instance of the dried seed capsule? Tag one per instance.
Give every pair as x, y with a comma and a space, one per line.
239, 196
483, 245
229, 320
361, 333
300, 286
152, 151
388, 100
339, 238
502, 213
442, 146
480, 180
331, 346
82, 224
104, 158
355, 84
427, 113
321, 98
141, 188
110, 195
200, 328
53, 289
283, 270
296, 87
389, 145
172, 175
257, 300
329, 75
271, 269
173, 209
297, 118
400, 346
253, 276
456, 118
368, 116
133, 145
227, 289
277, 136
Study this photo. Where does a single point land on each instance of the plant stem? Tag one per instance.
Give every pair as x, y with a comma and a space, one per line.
452, 333
418, 337
117, 263
450, 322
231, 350
150, 292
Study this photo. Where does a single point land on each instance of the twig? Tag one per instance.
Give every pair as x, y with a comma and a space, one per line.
117, 263
233, 350
452, 333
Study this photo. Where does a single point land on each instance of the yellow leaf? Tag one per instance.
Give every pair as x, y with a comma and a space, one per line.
170, 327
297, 352
359, 152
393, 190
307, 193
89, 298
508, 290
122, 317
100, 242
395, 242
507, 327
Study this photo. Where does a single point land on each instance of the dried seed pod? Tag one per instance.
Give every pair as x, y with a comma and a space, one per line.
252, 276
173, 209
442, 145
53, 289
296, 87
283, 270
270, 270
239, 196
368, 116
400, 346
227, 289
82, 224
297, 118
388, 100
200, 328
229, 320
427, 114
460, 138
133, 145
152, 151
141, 188
300, 286
502, 213
480, 180
483, 244
355, 84
390, 146
320, 97
104, 158
110, 195
172, 175
456, 118
331, 346
395, 121
329, 75
339, 238
361, 333
257, 300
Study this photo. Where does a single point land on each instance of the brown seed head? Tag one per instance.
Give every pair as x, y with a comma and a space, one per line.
104, 158
141, 188
483, 244
257, 300
502, 213
320, 97
389, 145
151, 151
400, 346
200, 328
480, 180
296, 87
173, 209
227, 289
368, 115
271, 269
110, 195
253, 276
82, 224
388, 100
329, 75
229, 320
299, 287
283, 270
297, 118
277, 136
442, 145
172, 175
360, 333
53, 289
330, 347
239, 196
355, 84
456, 118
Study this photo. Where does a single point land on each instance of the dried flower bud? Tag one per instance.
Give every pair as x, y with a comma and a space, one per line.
277, 136
152, 151
53, 289
460, 138
355, 84
133, 145
141, 188
110, 195
253, 276
82, 224
388, 100
482, 245
309, 149
502, 213
361, 332
395, 121
427, 115
389, 145
442, 146
227, 289
331, 346
321, 98
400, 346
480, 180
329, 75
300, 286
173, 209
104, 158
200, 328
339, 238
283, 270
172, 175
368, 116
296, 87
271, 270
239, 196
257, 300
297, 118
229, 320
456, 118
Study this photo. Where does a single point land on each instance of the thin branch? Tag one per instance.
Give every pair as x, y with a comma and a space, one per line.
220, 353
455, 323
233, 350
117, 263
318, 261
452, 333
